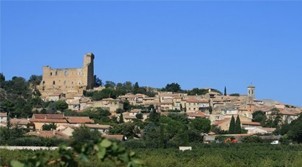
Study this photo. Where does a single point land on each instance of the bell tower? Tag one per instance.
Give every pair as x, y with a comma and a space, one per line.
251, 91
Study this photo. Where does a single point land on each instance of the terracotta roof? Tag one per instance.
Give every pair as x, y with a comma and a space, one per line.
218, 122
135, 110
3, 114
196, 114
195, 100
21, 121
167, 102
49, 120
79, 120
96, 126
48, 116
251, 123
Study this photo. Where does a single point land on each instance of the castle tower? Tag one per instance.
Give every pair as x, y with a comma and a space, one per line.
251, 92
88, 70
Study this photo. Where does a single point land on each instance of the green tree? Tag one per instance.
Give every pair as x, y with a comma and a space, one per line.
238, 125
202, 125
173, 87
225, 91
136, 88
2, 80
121, 118
110, 84
126, 105
197, 91
35, 80
49, 127
259, 116
232, 125
83, 135
105, 93
61, 105
154, 117
153, 135
139, 116
294, 131
97, 81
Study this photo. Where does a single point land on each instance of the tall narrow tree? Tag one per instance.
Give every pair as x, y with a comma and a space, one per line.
232, 126
225, 91
238, 125
121, 118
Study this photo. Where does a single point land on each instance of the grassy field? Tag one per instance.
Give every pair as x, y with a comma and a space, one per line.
241, 155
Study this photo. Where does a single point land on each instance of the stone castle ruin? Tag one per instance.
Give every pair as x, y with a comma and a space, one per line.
67, 82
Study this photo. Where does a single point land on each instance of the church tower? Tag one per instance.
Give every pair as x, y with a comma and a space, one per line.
251, 92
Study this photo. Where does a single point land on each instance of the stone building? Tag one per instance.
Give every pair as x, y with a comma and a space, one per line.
67, 82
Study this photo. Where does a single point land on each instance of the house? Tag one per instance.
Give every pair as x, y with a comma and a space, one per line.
110, 104
137, 99
166, 105
224, 124
196, 103
40, 119
193, 115
259, 130
20, 122
79, 120
3, 117
104, 129
129, 117
209, 138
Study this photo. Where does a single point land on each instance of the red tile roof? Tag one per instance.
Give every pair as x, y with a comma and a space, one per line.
48, 116
49, 120
3, 114
196, 114
251, 123
79, 120
21, 121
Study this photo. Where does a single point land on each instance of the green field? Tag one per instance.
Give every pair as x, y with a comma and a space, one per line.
202, 155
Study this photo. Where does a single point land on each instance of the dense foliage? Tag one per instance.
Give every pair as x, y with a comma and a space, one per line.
17, 137
239, 155
113, 90
293, 131
99, 115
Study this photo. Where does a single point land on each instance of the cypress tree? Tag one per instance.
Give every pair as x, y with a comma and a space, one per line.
225, 91
121, 119
232, 125
238, 125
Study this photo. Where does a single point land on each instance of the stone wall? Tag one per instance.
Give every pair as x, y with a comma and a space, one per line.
68, 81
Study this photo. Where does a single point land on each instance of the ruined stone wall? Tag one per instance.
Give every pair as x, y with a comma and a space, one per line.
68, 81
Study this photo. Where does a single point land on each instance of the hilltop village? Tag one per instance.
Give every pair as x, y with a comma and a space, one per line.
77, 89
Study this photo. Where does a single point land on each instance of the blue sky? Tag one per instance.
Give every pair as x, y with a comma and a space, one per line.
196, 43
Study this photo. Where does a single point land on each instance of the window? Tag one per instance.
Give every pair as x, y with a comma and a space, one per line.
56, 73
65, 73
43, 82
50, 74
53, 82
